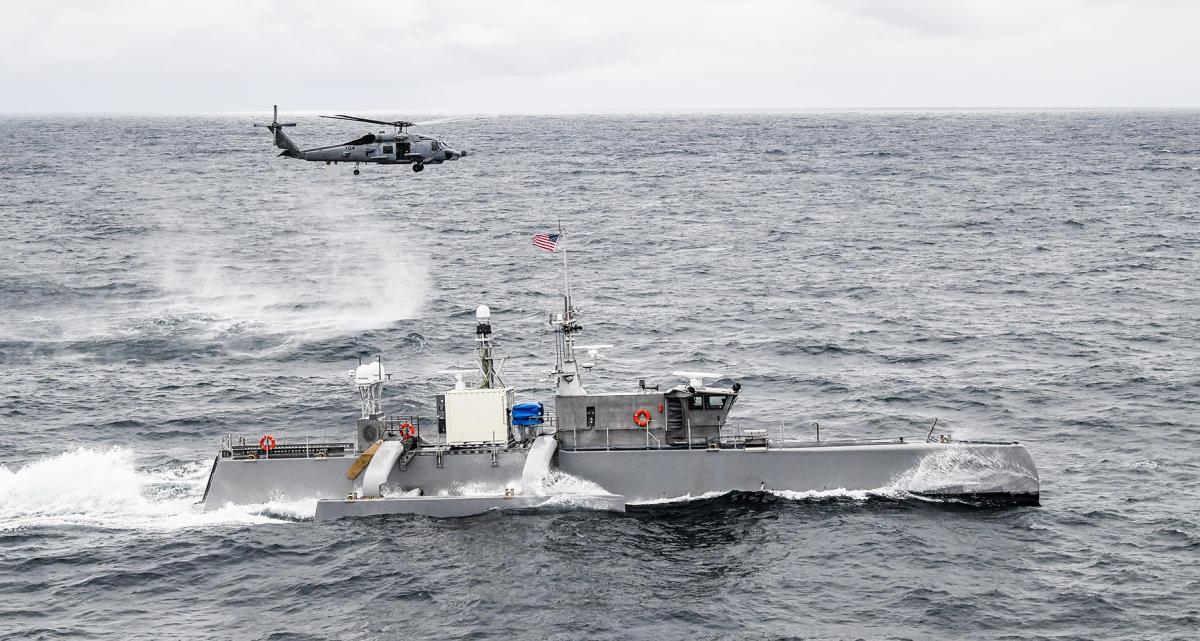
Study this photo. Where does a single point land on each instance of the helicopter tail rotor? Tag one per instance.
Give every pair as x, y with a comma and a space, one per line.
281, 139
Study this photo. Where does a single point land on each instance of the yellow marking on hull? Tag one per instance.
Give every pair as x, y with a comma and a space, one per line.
363, 461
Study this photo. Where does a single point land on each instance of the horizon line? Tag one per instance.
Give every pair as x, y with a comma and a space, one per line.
604, 112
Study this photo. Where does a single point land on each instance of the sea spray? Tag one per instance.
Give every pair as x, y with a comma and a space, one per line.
349, 272
104, 488
954, 469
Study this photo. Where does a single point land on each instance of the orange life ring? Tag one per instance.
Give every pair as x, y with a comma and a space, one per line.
641, 418
407, 430
266, 443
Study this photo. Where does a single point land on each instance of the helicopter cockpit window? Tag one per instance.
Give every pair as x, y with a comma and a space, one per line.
434, 145
715, 402
387, 149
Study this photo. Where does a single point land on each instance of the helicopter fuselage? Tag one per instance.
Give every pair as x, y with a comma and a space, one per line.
399, 148
405, 148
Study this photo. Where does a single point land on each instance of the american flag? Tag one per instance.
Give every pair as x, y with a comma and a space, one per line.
546, 241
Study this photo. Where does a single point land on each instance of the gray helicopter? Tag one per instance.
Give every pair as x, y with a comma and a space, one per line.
397, 148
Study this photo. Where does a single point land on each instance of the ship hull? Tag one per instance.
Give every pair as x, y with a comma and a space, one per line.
1002, 472
995, 471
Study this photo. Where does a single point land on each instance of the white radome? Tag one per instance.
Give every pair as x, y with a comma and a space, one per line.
369, 373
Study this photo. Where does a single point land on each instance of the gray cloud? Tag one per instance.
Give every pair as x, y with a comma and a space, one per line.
479, 56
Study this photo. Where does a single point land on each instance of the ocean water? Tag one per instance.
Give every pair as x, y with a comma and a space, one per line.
1023, 275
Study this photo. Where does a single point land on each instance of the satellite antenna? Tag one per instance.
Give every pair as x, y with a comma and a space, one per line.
696, 379
369, 378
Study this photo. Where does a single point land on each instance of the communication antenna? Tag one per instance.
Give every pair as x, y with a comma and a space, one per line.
368, 379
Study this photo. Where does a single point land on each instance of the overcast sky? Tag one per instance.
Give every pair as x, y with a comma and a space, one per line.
600, 55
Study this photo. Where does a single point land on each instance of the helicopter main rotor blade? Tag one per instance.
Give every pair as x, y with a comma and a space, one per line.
396, 123
321, 148
442, 121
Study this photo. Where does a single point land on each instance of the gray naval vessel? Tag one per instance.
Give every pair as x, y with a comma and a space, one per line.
485, 451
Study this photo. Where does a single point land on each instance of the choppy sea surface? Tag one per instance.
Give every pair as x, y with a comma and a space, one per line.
1023, 275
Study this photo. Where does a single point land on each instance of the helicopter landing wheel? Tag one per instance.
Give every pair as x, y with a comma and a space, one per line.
355, 172
418, 167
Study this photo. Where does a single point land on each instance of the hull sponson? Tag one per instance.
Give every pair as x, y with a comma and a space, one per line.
920, 468
950, 470
250, 482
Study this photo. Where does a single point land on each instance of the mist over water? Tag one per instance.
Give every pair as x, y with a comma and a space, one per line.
1028, 276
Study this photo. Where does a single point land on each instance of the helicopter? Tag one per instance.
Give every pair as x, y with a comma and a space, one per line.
397, 148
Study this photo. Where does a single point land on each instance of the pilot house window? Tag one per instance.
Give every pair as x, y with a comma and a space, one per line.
715, 402
697, 402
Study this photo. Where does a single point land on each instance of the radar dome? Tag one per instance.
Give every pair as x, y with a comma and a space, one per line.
369, 373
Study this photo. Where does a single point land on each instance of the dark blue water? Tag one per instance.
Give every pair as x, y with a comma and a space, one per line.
164, 281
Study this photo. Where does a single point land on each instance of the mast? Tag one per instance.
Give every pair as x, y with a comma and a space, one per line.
484, 349
562, 238
566, 371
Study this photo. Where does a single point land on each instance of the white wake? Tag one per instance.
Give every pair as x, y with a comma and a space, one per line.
104, 488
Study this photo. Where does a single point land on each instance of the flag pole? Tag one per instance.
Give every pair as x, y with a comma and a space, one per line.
562, 238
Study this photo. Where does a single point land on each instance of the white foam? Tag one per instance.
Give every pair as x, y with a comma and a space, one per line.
802, 495
959, 469
839, 493
104, 488
552, 484
559, 483
478, 489
686, 498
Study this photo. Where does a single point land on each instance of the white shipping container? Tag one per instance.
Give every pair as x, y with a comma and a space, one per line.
478, 415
